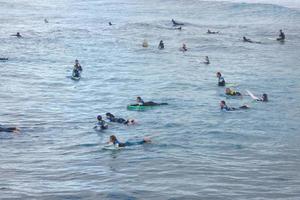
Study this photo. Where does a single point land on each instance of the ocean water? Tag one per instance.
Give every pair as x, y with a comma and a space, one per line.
197, 152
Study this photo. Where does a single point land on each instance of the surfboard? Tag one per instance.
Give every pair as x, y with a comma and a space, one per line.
252, 95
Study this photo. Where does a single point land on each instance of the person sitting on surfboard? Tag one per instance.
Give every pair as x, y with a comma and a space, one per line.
77, 66
101, 123
140, 102
161, 45
221, 81
76, 73
112, 118
9, 129
114, 141
231, 92
223, 106
281, 36
206, 60
212, 32
176, 23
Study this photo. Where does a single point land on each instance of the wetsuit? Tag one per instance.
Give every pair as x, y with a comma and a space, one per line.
161, 45
118, 120
128, 143
102, 124
234, 93
76, 73
221, 81
281, 36
78, 67
7, 129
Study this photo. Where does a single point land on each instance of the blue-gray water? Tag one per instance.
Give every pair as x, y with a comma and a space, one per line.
197, 151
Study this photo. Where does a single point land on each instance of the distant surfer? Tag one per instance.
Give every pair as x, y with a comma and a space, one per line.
145, 43
281, 36
109, 23
9, 129
161, 45
231, 92
176, 23
250, 41
212, 32
46, 21
77, 66
207, 62
141, 102
112, 118
263, 98
183, 48
18, 35
224, 107
115, 142
221, 80
3, 59
101, 124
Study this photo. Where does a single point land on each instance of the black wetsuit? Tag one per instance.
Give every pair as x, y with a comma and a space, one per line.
221, 81
10, 129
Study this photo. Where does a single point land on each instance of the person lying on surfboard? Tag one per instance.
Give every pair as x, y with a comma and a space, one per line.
112, 118
114, 141
212, 32
140, 102
263, 98
176, 23
9, 129
224, 107
250, 41
229, 91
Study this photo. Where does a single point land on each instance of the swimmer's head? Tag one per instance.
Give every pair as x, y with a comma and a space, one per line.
227, 90
112, 138
265, 97
219, 74
222, 104
109, 115
99, 117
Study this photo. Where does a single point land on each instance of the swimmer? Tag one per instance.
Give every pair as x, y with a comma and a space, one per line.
76, 73
18, 35
206, 60
145, 43
263, 98
114, 141
212, 32
77, 66
46, 21
9, 129
112, 118
223, 106
3, 59
183, 48
176, 23
101, 123
231, 92
250, 41
221, 81
109, 23
281, 36
161, 45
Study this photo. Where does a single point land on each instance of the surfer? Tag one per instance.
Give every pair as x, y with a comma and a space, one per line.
145, 43
250, 41
101, 123
109, 23
2, 59
281, 36
183, 48
263, 98
112, 118
212, 32
161, 45
221, 80
114, 141
224, 107
206, 60
140, 102
46, 21
231, 92
9, 129
77, 66
18, 35
76, 73
176, 23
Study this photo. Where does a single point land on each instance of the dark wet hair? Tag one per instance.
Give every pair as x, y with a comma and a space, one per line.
219, 73
265, 97
223, 102
99, 117
109, 115
113, 138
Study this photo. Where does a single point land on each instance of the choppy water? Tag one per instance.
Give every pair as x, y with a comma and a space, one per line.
198, 152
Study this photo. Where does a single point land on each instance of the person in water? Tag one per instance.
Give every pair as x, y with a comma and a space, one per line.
206, 60
101, 123
114, 141
140, 102
263, 98
46, 21
161, 45
183, 48
231, 92
112, 118
76, 73
145, 43
176, 23
77, 66
281, 36
17, 35
3, 59
212, 32
9, 129
109, 23
224, 106
221, 80
247, 40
